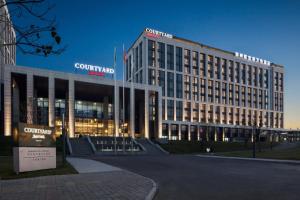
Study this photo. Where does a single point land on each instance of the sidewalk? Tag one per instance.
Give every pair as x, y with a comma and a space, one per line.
95, 180
252, 159
90, 166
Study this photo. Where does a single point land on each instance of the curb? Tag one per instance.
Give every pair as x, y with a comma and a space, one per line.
253, 159
153, 191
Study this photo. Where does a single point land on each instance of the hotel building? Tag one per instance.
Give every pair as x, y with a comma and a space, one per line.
207, 93
175, 89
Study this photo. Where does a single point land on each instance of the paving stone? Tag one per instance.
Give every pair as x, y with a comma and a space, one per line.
105, 185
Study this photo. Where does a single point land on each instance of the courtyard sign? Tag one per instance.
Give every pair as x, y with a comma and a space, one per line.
253, 59
94, 69
157, 34
35, 147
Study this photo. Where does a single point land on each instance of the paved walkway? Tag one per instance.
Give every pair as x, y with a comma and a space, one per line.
89, 166
98, 181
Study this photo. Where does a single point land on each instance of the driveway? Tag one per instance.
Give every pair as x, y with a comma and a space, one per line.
192, 177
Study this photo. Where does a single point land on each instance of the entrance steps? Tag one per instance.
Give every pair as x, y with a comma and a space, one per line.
81, 146
150, 147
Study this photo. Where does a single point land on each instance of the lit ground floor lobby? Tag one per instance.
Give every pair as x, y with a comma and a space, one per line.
87, 105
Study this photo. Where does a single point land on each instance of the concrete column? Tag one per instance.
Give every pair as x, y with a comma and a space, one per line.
7, 103
71, 108
169, 131
146, 113
159, 114
179, 131
198, 133
189, 132
116, 109
215, 134
132, 111
29, 96
51, 99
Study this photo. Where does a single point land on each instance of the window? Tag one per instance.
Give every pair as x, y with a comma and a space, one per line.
163, 110
136, 58
170, 57
151, 76
230, 70
170, 85
195, 89
178, 85
187, 59
187, 111
170, 109
249, 97
195, 112
266, 78
224, 93
179, 110
217, 68
202, 111
243, 74
161, 81
210, 112
151, 53
202, 65
217, 92
260, 77
210, 69
237, 72
254, 71
231, 94
161, 55
195, 63
179, 59
224, 70
202, 89
187, 90
217, 115
141, 55
249, 75
210, 91
237, 95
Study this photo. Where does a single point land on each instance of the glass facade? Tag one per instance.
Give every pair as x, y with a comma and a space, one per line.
94, 118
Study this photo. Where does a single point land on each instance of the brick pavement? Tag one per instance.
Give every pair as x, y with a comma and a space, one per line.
105, 185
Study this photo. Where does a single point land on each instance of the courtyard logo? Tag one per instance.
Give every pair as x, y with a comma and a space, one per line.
38, 130
157, 34
94, 70
253, 59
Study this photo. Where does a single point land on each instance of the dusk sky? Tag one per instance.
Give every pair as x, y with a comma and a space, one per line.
264, 29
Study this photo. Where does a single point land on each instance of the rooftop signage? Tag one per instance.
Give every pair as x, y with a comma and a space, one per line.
94, 69
157, 34
253, 59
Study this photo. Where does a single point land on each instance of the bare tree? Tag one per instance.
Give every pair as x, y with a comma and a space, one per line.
36, 30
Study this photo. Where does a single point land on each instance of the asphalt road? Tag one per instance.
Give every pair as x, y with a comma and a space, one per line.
192, 177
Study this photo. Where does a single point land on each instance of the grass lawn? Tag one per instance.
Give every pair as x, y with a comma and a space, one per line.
6, 169
283, 154
192, 147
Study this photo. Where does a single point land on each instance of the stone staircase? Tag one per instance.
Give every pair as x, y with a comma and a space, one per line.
150, 147
81, 147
